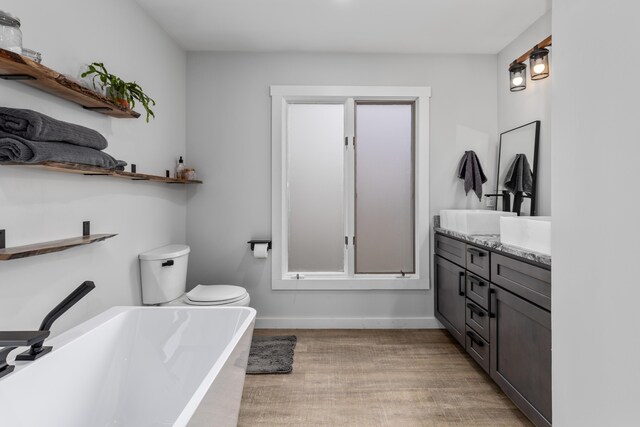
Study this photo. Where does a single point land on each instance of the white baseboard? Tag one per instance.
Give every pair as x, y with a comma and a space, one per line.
347, 323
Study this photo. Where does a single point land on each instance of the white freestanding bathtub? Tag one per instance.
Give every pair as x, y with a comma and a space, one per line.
136, 366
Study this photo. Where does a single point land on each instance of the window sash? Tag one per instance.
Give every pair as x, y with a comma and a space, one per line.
411, 207
316, 210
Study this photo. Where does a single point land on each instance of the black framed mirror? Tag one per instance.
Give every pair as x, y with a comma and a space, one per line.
517, 169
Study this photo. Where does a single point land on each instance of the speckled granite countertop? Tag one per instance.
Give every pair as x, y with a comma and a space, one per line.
492, 241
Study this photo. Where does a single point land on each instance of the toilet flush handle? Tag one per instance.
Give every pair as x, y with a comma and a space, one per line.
168, 263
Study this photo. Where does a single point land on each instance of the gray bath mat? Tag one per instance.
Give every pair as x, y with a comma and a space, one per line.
271, 355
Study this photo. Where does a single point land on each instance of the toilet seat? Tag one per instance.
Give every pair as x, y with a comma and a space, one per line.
242, 302
215, 295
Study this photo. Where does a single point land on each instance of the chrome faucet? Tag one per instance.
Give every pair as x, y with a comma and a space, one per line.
14, 339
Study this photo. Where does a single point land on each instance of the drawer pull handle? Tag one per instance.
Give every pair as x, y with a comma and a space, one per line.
476, 281
461, 284
167, 263
475, 309
475, 339
492, 303
476, 252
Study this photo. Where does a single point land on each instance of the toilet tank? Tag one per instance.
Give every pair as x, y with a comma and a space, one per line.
163, 273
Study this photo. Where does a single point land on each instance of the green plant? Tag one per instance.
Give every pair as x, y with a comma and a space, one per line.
124, 93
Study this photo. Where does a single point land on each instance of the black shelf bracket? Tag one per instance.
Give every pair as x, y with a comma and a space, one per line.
86, 228
253, 243
17, 77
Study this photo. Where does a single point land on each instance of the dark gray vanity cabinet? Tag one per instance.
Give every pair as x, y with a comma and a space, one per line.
521, 353
449, 297
498, 308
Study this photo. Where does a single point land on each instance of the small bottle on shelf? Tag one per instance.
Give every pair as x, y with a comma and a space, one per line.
180, 169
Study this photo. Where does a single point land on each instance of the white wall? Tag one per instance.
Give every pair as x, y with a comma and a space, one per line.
229, 143
38, 206
596, 343
533, 103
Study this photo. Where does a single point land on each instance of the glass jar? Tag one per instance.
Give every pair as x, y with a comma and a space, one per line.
10, 33
190, 174
32, 55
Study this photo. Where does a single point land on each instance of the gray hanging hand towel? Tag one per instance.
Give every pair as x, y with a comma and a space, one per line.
19, 150
471, 172
519, 177
35, 126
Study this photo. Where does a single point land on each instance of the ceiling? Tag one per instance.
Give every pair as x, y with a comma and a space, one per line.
373, 26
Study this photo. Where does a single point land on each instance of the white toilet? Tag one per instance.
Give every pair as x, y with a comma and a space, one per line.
163, 274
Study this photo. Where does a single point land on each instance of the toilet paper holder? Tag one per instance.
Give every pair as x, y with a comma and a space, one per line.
253, 243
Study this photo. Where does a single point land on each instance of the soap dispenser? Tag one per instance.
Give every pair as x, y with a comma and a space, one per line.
180, 169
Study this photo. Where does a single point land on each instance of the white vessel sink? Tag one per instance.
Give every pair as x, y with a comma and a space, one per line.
532, 233
472, 221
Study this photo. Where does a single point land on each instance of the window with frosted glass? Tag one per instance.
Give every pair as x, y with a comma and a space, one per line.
315, 187
384, 185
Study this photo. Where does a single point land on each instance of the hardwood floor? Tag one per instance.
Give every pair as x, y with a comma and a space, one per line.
376, 378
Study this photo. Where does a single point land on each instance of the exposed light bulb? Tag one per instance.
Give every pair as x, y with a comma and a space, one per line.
538, 68
517, 81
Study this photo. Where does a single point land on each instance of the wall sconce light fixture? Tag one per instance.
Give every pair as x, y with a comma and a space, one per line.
538, 64
517, 76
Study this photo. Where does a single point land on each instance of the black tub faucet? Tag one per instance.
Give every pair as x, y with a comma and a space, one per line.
14, 339
37, 350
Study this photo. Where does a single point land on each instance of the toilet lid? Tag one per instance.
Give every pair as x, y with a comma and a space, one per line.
216, 293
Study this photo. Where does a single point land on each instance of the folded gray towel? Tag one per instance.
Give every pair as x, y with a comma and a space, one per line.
35, 126
19, 150
471, 172
519, 177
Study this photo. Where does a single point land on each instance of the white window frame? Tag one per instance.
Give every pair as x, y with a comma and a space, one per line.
283, 95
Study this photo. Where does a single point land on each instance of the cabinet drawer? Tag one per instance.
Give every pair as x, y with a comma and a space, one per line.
525, 280
478, 290
478, 349
450, 249
477, 319
478, 261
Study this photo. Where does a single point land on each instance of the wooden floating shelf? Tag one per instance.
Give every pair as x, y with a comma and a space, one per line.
50, 247
93, 170
22, 69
